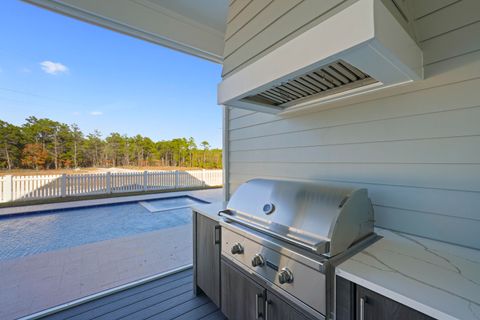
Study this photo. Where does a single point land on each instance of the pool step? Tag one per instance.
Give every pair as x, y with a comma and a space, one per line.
152, 209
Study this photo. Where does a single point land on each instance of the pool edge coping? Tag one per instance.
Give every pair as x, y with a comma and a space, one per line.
103, 293
38, 208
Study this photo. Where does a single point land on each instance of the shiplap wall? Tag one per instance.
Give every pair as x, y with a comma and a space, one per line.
254, 28
416, 148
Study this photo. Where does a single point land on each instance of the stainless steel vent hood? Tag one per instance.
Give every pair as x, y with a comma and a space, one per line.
361, 49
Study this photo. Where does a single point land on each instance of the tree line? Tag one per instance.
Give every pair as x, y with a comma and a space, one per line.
47, 144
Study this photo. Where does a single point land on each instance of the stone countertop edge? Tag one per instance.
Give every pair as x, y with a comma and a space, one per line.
438, 279
210, 210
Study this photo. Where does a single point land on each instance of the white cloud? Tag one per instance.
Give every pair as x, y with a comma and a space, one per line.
51, 67
96, 113
76, 113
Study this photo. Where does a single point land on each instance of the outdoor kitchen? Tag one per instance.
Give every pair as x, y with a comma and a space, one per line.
281, 240
282, 249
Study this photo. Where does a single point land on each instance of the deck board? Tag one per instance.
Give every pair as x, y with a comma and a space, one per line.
170, 297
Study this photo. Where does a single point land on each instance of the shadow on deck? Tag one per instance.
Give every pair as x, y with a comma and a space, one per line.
170, 297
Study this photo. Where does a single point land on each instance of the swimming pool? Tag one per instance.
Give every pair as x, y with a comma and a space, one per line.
28, 234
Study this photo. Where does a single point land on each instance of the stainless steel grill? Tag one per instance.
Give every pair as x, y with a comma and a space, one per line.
291, 235
331, 79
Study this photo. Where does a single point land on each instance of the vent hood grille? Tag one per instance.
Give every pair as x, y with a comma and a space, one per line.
331, 79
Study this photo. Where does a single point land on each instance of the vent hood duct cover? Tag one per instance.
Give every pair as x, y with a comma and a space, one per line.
360, 49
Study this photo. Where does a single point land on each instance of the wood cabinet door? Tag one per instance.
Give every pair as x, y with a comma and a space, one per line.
207, 264
345, 299
278, 309
373, 306
242, 298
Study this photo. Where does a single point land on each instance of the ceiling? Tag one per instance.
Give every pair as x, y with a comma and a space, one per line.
196, 27
212, 13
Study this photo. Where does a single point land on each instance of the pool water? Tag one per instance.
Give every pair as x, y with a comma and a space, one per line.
28, 234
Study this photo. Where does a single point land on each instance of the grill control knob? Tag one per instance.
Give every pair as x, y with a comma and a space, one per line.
285, 276
237, 248
258, 260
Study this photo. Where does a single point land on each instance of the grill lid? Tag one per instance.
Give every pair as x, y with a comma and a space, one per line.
318, 217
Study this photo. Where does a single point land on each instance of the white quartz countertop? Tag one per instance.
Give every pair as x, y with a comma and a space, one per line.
438, 279
210, 210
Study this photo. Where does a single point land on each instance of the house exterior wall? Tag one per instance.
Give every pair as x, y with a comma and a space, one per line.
416, 147
255, 28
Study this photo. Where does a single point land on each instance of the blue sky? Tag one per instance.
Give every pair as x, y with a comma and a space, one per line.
70, 71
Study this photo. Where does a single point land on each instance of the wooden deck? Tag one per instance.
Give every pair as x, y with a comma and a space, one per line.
170, 297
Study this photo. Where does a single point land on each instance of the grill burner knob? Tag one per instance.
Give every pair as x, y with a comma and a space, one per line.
237, 248
285, 276
258, 260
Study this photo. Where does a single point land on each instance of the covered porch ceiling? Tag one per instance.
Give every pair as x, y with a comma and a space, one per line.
194, 27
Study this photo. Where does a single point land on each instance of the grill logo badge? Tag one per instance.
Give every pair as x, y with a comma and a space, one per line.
268, 208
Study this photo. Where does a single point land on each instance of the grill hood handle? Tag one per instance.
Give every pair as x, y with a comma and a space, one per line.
226, 211
228, 214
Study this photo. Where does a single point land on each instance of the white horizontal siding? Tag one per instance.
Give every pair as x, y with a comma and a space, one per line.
245, 16
423, 102
236, 8
400, 10
449, 177
417, 150
273, 24
444, 228
423, 8
450, 123
237, 113
453, 150
457, 15
449, 29
452, 44
238, 37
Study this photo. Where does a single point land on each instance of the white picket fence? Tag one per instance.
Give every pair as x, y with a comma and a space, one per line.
53, 186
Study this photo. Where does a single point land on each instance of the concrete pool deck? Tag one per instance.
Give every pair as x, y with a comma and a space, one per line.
41, 281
